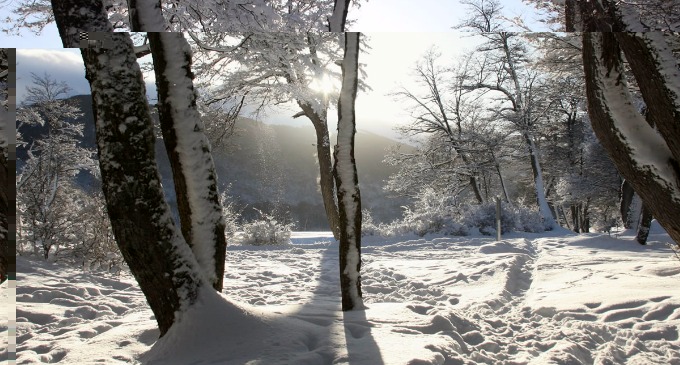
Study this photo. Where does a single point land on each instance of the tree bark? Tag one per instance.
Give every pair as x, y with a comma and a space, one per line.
641, 154
347, 181
336, 22
188, 149
643, 228
655, 68
326, 179
629, 212
152, 246
7, 164
74, 17
5, 233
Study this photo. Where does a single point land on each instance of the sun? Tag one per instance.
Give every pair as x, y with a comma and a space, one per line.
324, 84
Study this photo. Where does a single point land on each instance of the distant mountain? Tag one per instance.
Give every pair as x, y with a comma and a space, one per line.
274, 167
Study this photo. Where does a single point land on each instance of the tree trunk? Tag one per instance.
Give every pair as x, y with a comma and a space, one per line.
506, 198
575, 219
541, 200
345, 171
193, 169
323, 154
643, 228
336, 22
90, 17
643, 155
627, 195
7, 164
152, 246
7, 264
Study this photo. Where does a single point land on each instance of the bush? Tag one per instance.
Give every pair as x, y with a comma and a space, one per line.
484, 217
231, 216
368, 227
266, 231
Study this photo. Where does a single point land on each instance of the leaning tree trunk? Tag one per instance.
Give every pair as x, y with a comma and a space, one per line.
647, 158
193, 169
326, 180
152, 246
347, 181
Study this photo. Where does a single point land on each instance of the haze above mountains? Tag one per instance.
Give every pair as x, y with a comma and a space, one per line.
272, 167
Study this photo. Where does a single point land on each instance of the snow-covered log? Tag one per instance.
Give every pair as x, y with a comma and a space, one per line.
152, 246
188, 149
347, 181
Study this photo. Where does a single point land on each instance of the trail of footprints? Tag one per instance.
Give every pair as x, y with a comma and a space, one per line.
56, 312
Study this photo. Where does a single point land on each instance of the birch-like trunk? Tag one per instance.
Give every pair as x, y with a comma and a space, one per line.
347, 181
151, 245
193, 169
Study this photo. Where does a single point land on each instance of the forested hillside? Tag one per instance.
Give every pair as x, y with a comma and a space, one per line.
269, 167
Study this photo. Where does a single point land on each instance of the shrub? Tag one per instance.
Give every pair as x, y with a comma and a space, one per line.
266, 231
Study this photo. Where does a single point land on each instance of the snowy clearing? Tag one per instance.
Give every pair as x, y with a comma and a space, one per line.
554, 298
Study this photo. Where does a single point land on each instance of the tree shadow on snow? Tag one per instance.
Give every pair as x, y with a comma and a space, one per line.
361, 347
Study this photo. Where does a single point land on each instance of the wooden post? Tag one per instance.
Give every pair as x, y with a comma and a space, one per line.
498, 218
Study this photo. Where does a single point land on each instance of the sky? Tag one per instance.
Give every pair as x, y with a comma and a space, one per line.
388, 66
399, 32
372, 16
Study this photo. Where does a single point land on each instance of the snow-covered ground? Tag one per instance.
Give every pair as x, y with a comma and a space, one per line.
555, 298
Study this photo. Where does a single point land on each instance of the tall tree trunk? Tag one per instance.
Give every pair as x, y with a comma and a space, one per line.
643, 228
326, 180
541, 200
506, 198
152, 246
644, 156
336, 22
627, 195
7, 164
575, 219
90, 17
193, 169
4, 213
345, 171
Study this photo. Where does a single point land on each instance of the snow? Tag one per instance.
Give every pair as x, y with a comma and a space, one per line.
668, 63
556, 297
7, 319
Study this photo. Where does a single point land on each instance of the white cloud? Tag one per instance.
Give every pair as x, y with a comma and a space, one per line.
62, 65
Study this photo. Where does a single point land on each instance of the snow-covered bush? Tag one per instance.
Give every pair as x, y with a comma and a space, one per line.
231, 216
528, 220
368, 227
266, 231
432, 213
484, 217
513, 218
